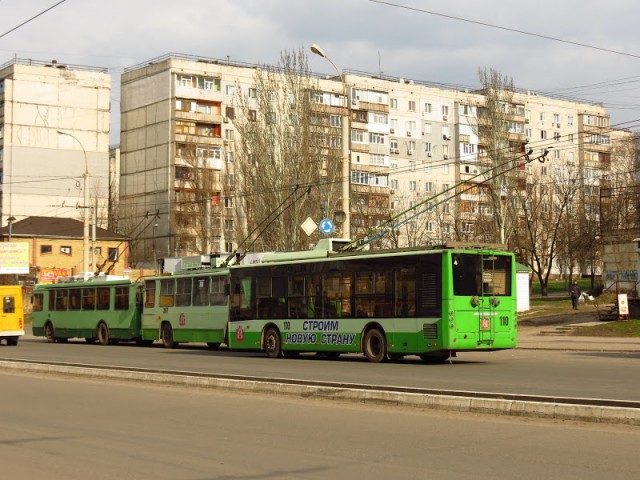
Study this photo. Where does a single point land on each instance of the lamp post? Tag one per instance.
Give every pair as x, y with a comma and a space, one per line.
86, 207
10, 220
346, 150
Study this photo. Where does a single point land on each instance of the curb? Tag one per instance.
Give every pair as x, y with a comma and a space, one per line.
469, 404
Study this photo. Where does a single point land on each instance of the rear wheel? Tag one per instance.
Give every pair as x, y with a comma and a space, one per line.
375, 346
166, 335
272, 344
12, 341
49, 332
104, 337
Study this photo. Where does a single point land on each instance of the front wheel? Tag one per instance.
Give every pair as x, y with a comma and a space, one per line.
375, 346
166, 335
104, 336
272, 344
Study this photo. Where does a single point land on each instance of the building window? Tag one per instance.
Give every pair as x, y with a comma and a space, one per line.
413, 185
394, 103
230, 113
228, 224
45, 249
376, 138
66, 250
412, 106
252, 92
113, 254
427, 108
228, 202
230, 90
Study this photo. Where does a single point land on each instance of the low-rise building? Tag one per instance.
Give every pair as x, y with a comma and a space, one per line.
56, 248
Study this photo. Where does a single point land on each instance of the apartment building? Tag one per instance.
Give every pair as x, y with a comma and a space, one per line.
54, 134
410, 144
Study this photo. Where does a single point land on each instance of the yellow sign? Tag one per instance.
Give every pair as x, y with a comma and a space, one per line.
14, 257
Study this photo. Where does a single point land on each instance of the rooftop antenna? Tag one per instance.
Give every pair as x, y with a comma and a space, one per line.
379, 64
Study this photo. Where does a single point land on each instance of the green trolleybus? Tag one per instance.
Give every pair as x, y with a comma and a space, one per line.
386, 304
102, 309
188, 306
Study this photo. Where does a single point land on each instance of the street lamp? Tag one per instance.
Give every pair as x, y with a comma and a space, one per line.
85, 178
10, 220
346, 151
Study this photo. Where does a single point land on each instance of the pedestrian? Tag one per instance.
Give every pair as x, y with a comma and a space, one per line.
574, 291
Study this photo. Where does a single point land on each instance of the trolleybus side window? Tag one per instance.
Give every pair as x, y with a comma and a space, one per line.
75, 295
122, 298
38, 302
150, 293
167, 292
62, 299
201, 291
373, 294
405, 291
218, 296
103, 298
183, 292
89, 298
241, 299
337, 295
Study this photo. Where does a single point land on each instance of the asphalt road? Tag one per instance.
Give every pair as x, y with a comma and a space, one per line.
604, 375
71, 429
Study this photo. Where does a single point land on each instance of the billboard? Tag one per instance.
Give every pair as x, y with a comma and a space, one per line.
14, 257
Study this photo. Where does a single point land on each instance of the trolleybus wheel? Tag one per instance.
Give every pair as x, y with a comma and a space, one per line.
166, 334
375, 346
213, 345
49, 333
272, 345
12, 341
103, 334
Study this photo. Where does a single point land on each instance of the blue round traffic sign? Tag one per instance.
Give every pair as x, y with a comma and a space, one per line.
326, 226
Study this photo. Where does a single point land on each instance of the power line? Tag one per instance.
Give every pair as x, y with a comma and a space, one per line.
32, 18
508, 29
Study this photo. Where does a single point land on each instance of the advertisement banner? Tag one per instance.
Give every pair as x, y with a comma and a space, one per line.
14, 257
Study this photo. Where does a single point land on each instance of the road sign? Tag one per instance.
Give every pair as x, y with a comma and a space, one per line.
309, 226
326, 226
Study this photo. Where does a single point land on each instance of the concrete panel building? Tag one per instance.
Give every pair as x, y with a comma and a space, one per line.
54, 132
409, 143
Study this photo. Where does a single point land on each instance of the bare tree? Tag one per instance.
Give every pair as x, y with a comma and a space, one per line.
198, 195
545, 207
287, 154
498, 149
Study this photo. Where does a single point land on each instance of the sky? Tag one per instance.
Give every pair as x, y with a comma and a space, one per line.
585, 49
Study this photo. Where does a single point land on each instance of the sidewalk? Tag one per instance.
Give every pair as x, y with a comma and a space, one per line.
554, 337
